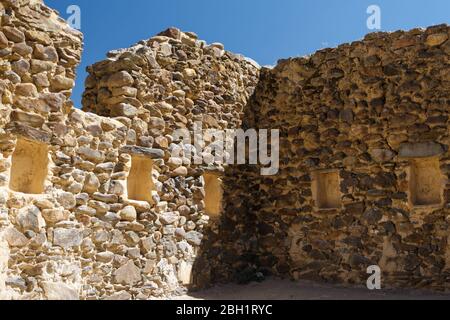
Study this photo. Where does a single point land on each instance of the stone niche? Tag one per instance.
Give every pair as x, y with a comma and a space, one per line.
140, 181
425, 182
326, 190
213, 194
29, 167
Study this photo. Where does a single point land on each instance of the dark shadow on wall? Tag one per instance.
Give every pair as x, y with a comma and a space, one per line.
229, 250
229, 244
327, 122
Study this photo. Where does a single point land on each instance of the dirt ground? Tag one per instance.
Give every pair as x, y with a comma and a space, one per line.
274, 289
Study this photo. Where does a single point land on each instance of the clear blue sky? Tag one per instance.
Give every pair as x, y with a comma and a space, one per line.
265, 30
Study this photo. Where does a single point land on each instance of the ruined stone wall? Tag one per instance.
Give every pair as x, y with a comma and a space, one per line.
364, 176
169, 82
93, 206
229, 250
38, 56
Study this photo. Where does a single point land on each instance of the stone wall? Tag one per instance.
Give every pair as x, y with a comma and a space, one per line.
93, 206
38, 56
364, 177
169, 82
4, 258
96, 204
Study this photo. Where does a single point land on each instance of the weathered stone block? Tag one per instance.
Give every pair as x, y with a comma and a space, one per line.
15, 238
420, 150
60, 291
128, 274
67, 238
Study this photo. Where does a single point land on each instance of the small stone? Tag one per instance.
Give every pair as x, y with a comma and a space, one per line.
181, 171
134, 253
194, 238
147, 152
120, 79
38, 66
16, 282
45, 53
141, 206
22, 49
54, 100
66, 200
26, 90
189, 73
123, 110
175, 162
13, 34
395, 140
12, 76
91, 183
373, 216
82, 199
3, 41
86, 210
30, 218
55, 215
172, 32
60, 83
28, 118
100, 207
107, 198
346, 115
180, 233
436, 39
157, 123
382, 155
111, 217
164, 107
148, 244
60, 291
169, 217
15, 238
105, 257
100, 237
217, 45
44, 204
91, 155
38, 36
420, 150
41, 80
124, 91
179, 93
128, 214
120, 296
117, 187
67, 238
21, 67
165, 49
403, 43
128, 274
184, 210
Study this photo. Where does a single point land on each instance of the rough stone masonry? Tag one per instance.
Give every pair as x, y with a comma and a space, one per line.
93, 204
364, 167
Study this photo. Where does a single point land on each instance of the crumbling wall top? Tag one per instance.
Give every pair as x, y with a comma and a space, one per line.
175, 78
